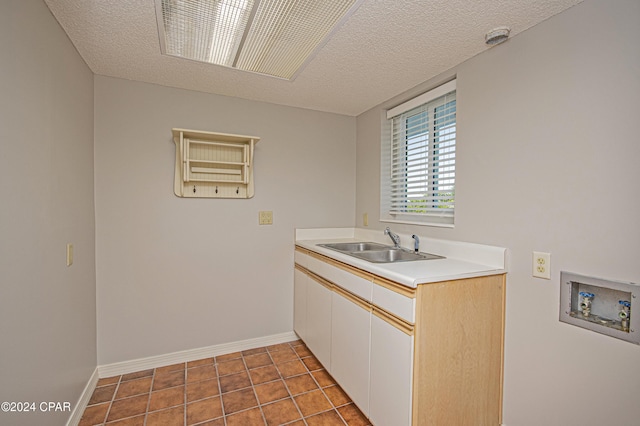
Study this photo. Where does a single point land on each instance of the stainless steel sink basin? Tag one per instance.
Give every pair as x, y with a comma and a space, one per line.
379, 253
393, 255
353, 247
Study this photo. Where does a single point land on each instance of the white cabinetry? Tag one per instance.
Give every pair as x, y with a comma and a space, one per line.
391, 374
319, 320
397, 351
300, 303
350, 345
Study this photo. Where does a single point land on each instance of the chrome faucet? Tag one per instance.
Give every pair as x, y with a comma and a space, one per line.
394, 237
416, 243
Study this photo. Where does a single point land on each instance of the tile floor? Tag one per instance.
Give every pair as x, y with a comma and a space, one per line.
276, 385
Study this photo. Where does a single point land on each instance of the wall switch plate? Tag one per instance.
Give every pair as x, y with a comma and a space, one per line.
265, 218
69, 254
542, 265
365, 219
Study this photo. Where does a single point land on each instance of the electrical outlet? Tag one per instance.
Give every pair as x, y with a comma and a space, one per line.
542, 265
265, 218
365, 219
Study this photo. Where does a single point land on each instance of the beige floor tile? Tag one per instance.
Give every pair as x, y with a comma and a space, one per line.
133, 387
280, 412
252, 417
205, 372
169, 379
131, 421
336, 395
203, 389
328, 418
272, 391
200, 362
313, 402
239, 400
166, 398
128, 407
94, 414
353, 416
231, 367
168, 417
264, 374
258, 360
291, 368
102, 394
301, 384
203, 410
137, 375
273, 385
234, 382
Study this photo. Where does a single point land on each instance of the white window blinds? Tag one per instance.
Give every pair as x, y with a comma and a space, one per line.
421, 184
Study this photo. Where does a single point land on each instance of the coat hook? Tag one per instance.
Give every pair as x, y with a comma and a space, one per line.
216, 189
194, 189
237, 190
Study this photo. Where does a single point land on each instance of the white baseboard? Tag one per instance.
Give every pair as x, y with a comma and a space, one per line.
140, 364
85, 396
132, 366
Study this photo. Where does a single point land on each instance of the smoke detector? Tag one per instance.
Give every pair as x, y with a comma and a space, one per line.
497, 35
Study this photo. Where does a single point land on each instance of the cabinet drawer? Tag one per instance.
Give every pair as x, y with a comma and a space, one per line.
355, 284
397, 304
361, 285
311, 263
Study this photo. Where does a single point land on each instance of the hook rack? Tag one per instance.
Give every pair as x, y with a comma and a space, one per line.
221, 164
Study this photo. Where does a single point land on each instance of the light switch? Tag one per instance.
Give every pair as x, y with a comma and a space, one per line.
265, 218
69, 254
365, 219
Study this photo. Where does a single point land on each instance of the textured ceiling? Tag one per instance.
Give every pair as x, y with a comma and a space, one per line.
385, 48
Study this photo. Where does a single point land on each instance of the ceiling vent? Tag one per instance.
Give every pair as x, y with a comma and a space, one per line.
273, 37
497, 36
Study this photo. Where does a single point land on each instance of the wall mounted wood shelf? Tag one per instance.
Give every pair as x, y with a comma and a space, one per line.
213, 165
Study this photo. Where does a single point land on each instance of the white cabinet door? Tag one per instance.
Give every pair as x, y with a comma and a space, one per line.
319, 321
351, 326
300, 303
391, 370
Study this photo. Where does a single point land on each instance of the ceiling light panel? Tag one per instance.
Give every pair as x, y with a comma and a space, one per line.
273, 37
203, 30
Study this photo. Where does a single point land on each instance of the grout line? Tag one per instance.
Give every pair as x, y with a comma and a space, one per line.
146, 413
224, 417
113, 398
333, 406
184, 401
253, 387
285, 383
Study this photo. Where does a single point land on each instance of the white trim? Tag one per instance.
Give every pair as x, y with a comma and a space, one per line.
425, 223
422, 99
140, 364
85, 396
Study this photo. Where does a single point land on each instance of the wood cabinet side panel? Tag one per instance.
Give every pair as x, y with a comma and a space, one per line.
459, 352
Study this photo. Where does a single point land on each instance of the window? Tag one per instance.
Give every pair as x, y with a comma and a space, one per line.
418, 159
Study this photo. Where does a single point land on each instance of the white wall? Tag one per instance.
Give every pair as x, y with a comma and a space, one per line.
176, 274
547, 160
47, 310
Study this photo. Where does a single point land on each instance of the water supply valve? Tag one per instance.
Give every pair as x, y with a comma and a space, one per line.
585, 303
624, 314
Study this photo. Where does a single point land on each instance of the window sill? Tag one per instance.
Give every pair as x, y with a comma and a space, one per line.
420, 223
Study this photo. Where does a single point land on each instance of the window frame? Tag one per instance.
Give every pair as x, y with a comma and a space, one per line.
431, 218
